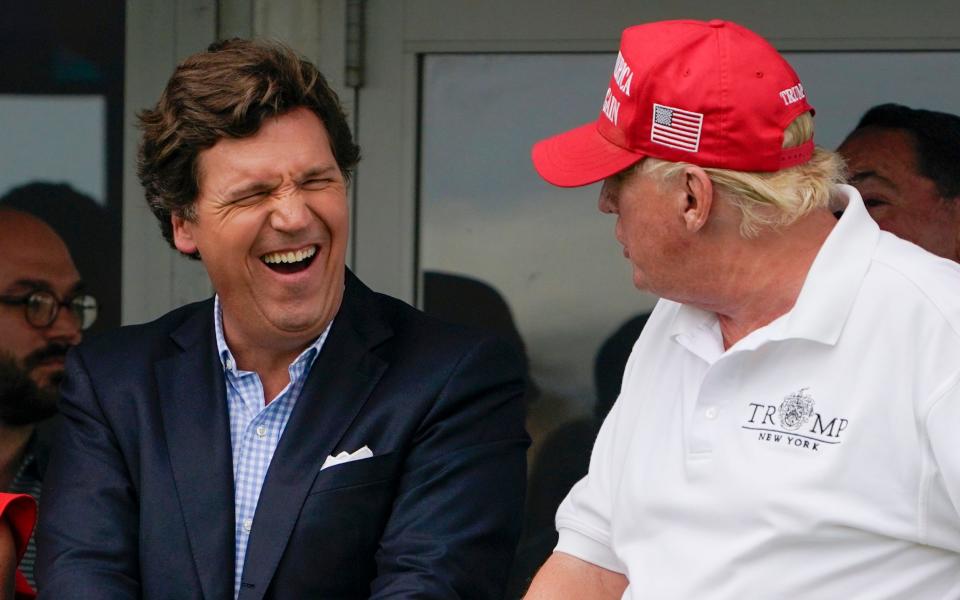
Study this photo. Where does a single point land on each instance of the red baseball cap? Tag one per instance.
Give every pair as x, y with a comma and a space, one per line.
713, 94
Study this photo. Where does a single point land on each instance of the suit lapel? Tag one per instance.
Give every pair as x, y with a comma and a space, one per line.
336, 389
196, 424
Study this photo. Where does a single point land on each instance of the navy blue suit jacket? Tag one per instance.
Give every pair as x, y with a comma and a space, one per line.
138, 498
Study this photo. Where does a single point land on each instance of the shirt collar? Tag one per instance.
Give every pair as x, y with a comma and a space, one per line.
226, 357
828, 292
698, 331
835, 277
29, 469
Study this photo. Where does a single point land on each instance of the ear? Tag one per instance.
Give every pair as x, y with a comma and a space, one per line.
183, 235
697, 201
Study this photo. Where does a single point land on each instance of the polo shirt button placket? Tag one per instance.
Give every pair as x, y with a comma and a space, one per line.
702, 432
705, 428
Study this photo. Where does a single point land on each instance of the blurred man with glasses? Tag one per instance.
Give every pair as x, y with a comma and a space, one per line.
43, 310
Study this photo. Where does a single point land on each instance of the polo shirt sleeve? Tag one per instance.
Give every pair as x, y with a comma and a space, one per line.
20, 511
584, 518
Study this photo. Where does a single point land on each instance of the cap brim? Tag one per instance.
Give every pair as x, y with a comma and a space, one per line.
580, 156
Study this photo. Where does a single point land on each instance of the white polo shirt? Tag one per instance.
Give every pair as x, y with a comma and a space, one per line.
819, 457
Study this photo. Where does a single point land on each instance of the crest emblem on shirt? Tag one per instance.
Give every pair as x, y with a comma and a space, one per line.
796, 409
795, 422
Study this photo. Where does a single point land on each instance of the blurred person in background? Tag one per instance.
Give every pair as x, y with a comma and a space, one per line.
905, 162
43, 311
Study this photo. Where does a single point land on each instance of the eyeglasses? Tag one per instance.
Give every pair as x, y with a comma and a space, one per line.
42, 307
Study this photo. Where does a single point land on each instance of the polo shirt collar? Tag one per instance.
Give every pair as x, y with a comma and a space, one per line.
835, 277
827, 295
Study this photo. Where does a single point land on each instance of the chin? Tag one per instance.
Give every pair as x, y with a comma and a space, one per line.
309, 312
640, 282
294, 323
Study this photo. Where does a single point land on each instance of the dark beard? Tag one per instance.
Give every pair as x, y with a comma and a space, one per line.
22, 401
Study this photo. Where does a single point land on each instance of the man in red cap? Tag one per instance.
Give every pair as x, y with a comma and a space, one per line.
785, 427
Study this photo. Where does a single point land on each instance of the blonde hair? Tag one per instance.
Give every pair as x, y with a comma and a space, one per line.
769, 200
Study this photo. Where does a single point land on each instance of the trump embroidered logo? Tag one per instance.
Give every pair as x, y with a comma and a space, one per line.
676, 128
794, 422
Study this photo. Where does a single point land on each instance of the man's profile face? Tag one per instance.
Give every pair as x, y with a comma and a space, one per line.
271, 228
644, 214
883, 166
33, 257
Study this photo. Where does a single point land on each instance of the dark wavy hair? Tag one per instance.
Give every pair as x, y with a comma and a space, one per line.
228, 91
936, 137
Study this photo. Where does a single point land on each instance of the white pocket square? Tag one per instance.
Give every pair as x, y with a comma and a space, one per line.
345, 457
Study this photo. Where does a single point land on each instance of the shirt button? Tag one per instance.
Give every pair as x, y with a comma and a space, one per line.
261, 432
247, 525
229, 364
711, 413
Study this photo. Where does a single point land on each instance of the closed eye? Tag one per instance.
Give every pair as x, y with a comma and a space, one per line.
252, 196
246, 200
248, 196
316, 183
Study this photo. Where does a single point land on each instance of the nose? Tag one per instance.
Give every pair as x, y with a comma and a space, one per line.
607, 201
290, 213
65, 328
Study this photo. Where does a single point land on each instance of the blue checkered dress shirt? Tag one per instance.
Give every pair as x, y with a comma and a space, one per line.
255, 430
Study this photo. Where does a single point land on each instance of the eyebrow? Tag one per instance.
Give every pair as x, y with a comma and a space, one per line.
864, 175
318, 172
42, 285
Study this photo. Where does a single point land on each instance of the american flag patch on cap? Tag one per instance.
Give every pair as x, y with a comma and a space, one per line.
676, 128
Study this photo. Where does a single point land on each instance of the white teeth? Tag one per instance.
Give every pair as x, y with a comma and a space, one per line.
289, 257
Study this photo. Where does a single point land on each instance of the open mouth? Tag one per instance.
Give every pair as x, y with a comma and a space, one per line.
291, 261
